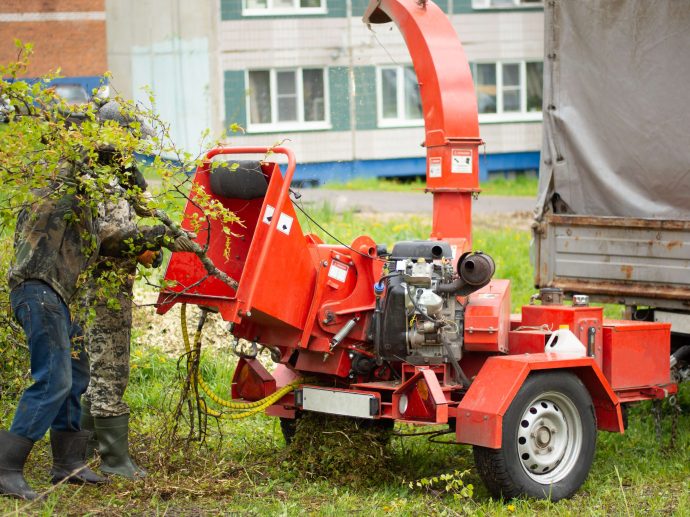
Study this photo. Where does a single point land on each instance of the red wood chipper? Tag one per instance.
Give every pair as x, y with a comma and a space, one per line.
422, 333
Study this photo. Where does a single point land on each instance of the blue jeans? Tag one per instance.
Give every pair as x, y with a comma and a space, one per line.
59, 370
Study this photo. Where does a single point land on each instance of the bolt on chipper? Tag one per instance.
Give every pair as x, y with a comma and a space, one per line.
422, 333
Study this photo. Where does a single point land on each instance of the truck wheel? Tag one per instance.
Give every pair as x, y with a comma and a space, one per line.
548, 440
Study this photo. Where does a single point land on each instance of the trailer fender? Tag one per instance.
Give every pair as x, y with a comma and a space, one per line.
479, 417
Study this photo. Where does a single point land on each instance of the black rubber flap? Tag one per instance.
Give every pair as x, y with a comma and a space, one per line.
240, 180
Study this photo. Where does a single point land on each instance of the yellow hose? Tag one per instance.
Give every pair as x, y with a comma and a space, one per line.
247, 408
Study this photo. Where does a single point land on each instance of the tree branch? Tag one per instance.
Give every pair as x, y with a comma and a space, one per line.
210, 267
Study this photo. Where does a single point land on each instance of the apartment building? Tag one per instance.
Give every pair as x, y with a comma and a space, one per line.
346, 97
308, 72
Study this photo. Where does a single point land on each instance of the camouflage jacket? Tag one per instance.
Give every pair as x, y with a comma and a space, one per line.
121, 236
58, 238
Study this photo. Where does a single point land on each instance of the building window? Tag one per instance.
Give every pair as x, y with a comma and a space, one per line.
505, 4
508, 90
282, 7
399, 101
291, 99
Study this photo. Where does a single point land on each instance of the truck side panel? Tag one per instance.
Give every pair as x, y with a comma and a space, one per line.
622, 260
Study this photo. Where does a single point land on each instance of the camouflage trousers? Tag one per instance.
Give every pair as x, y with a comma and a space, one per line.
107, 337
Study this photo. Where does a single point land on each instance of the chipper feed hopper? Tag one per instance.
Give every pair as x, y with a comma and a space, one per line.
421, 333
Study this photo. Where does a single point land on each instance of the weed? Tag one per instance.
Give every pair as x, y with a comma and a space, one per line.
449, 483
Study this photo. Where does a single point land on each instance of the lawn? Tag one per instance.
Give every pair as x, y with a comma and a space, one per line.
244, 467
521, 186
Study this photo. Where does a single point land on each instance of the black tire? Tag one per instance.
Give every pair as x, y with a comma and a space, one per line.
288, 427
534, 461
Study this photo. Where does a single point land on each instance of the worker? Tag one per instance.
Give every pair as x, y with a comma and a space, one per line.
107, 338
56, 240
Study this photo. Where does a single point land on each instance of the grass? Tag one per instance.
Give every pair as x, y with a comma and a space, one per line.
244, 467
520, 186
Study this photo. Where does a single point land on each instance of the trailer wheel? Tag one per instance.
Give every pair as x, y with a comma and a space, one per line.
549, 436
288, 426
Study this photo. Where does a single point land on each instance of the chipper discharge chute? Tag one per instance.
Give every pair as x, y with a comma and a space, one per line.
421, 333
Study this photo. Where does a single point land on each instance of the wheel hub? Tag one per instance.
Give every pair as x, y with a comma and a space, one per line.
543, 437
547, 438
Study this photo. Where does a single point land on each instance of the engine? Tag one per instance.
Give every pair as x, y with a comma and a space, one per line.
419, 318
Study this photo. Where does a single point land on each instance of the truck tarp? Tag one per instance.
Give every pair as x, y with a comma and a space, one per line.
616, 109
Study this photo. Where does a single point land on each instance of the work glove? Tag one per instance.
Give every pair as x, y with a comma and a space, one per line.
183, 242
150, 259
158, 260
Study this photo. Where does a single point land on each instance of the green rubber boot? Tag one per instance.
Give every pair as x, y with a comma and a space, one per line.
113, 446
88, 425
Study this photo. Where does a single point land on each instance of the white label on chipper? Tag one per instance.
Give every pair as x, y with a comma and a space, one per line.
284, 223
338, 271
461, 162
268, 214
434, 167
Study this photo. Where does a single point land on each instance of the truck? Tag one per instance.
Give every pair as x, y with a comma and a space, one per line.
613, 214
419, 334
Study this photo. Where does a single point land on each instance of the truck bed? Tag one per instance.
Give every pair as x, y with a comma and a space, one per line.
615, 259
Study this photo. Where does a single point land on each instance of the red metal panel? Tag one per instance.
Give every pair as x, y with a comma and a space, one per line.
281, 411
285, 407
553, 316
578, 319
528, 341
487, 400
636, 354
283, 375
185, 272
426, 400
480, 412
487, 318
265, 287
450, 111
338, 363
251, 381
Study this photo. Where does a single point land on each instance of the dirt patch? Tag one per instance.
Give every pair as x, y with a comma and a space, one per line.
164, 331
515, 221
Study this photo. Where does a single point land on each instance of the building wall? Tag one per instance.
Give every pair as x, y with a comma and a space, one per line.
340, 44
66, 34
169, 46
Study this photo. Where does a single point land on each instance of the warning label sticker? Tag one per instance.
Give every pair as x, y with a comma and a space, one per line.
338, 271
461, 162
284, 220
434, 167
284, 223
268, 214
